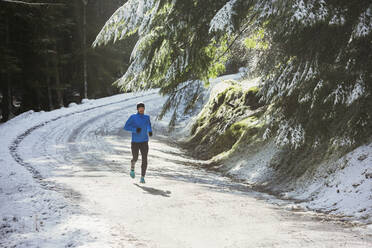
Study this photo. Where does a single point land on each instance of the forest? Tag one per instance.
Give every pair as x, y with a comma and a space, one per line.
46, 54
253, 119
313, 57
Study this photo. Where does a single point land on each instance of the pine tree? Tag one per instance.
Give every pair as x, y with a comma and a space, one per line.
316, 68
9, 62
41, 53
174, 44
317, 72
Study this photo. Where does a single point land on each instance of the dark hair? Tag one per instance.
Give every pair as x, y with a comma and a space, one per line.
140, 104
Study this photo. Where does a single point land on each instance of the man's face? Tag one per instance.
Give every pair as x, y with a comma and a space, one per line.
141, 110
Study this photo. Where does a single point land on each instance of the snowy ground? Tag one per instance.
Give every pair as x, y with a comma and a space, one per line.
342, 187
64, 183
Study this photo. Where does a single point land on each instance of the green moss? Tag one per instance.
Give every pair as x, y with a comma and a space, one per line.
199, 122
251, 98
253, 89
226, 122
233, 135
219, 100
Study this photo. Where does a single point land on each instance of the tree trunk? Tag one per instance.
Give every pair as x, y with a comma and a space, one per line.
50, 100
6, 102
58, 86
85, 2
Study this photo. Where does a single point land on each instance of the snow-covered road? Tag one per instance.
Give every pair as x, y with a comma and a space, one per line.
81, 159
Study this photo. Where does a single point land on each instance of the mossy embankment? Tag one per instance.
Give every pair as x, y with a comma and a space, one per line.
235, 135
232, 118
230, 131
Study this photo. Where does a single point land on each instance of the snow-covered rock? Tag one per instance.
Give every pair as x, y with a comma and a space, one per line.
72, 105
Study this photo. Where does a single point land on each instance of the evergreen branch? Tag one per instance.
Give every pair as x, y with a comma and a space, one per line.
185, 86
235, 39
32, 4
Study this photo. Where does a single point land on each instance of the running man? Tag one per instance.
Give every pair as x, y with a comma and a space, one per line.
139, 124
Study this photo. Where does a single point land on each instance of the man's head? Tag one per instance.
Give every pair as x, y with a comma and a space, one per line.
141, 107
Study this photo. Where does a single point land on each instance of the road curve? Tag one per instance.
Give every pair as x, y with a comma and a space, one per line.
88, 153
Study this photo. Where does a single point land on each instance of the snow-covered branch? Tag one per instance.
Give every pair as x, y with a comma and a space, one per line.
223, 20
126, 20
32, 3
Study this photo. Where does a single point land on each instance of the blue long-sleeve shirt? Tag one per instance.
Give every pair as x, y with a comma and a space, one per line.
139, 121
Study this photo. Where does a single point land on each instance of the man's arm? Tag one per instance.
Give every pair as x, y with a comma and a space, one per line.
129, 125
149, 129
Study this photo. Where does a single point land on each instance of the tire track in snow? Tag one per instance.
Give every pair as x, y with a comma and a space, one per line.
214, 205
76, 133
13, 148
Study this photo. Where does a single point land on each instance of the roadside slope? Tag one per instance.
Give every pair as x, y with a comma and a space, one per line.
232, 135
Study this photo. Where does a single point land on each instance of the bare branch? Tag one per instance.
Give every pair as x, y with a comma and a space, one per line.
31, 3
